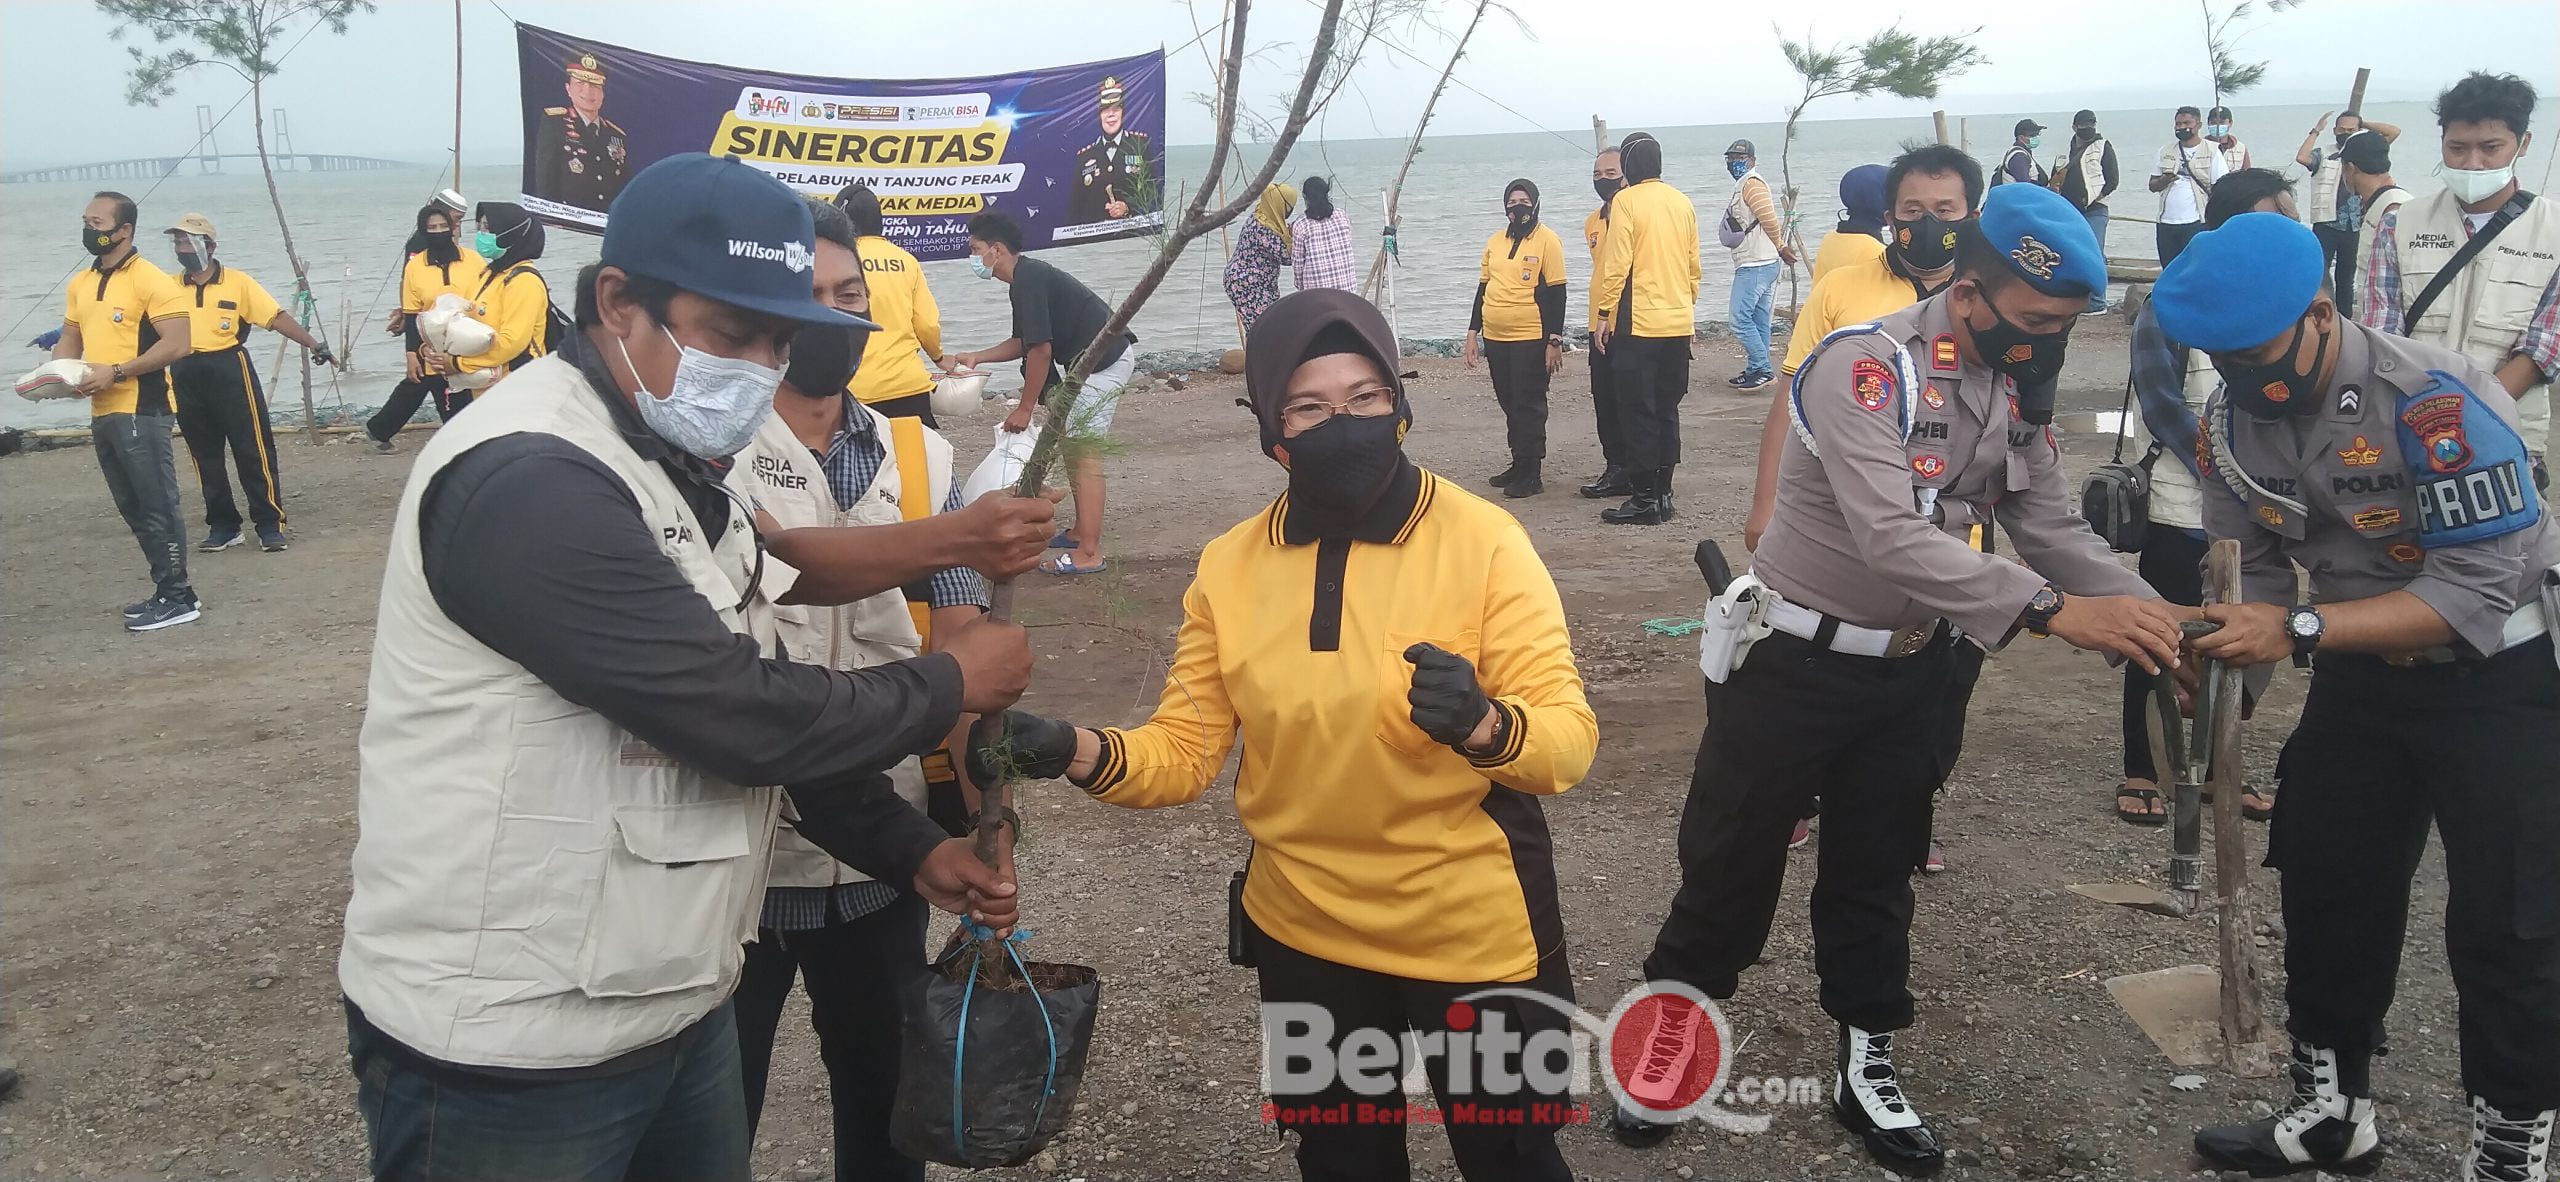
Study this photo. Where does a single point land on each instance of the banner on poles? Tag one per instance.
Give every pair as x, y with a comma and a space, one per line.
1074, 153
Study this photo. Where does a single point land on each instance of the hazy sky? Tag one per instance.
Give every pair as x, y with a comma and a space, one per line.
386, 87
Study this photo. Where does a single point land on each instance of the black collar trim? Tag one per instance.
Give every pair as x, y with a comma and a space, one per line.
1390, 522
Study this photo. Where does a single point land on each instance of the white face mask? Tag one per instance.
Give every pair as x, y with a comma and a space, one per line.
714, 404
2476, 184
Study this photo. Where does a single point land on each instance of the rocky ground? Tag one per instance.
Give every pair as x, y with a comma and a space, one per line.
179, 810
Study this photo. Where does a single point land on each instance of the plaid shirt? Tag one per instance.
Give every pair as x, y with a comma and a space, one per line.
852, 462
1320, 252
2382, 310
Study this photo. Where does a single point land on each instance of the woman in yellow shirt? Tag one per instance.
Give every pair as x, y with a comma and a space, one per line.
512, 297
1393, 656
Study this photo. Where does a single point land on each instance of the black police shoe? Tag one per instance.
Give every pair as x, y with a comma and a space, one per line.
1612, 482
1636, 1132
1503, 479
1645, 507
1527, 480
2508, 1145
2330, 1126
1867, 1097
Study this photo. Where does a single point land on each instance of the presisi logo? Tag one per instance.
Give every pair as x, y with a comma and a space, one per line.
2454, 502
789, 254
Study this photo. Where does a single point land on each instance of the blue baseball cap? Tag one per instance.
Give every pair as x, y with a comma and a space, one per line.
2044, 239
723, 231
2239, 286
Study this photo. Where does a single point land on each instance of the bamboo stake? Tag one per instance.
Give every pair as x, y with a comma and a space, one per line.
2243, 1009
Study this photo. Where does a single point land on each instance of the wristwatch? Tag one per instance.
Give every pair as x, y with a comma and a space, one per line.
2042, 609
2304, 625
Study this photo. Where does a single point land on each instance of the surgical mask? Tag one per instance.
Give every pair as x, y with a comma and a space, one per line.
1739, 168
1607, 186
978, 267
712, 406
96, 242
1924, 243
824, 358
2274, 389
2217, 130
2035, 141
1341, 468
487, 245
2026, 358
2185, 134
2476, 184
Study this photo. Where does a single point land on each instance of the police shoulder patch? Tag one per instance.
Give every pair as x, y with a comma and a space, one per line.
1871, 381
2473, 474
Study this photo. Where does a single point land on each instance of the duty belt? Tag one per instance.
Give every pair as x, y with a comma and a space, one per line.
1831, 633
2528, 623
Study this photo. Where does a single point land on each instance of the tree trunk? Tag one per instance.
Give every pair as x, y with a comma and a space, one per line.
1413, 147
1787, 201
301, 282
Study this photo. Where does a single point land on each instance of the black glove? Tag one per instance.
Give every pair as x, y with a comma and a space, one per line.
1447, 703
1019, 746
322, 356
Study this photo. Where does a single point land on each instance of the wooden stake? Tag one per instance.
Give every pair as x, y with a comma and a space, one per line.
2243, 1009
1940, 118
1599, 135
2355, 94
457, 96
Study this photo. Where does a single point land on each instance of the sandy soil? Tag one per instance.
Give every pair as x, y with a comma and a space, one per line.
179, 809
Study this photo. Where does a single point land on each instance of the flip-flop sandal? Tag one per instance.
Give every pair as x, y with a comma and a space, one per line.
1065, 564
2148, 797
1062, 542
2251, 810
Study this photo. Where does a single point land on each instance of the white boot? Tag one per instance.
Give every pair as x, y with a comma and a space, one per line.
2508, 1146
1867, 1097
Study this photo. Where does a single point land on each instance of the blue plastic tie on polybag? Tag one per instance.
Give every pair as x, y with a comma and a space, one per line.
978, 934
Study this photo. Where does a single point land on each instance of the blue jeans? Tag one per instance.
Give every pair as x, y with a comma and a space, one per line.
2097, 215
681, 1117
1754, 288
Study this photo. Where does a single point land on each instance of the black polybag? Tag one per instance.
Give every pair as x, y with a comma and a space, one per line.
1012, 1095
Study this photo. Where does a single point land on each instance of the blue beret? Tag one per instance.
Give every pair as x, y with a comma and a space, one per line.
2044, 239
2239, 286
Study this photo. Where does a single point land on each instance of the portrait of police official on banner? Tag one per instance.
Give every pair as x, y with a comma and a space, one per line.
1074, 153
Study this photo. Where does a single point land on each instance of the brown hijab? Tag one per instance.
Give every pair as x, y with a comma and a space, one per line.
1305, 325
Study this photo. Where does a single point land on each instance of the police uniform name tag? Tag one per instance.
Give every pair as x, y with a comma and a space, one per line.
2472, 473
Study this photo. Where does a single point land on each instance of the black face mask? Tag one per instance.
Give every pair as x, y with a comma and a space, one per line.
824, 358
1924, 243
2344, 136
97, 242
2185, 134
1341, 468
2275, 389
190, 262
1524, 218
2030, 359
2084, 134
1607, 187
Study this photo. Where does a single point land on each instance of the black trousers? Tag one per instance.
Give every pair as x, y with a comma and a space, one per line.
1652, 376
1519, 370
2338, 250
1604, 412
2474, 747
852, 970
221, 406
913, 406
1502, 1136
2173, 563
405, 400
1868, 736
2171, 239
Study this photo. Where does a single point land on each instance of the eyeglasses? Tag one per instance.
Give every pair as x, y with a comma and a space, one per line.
1367, 404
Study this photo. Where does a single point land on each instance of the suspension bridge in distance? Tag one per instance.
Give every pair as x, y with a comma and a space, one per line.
208, 160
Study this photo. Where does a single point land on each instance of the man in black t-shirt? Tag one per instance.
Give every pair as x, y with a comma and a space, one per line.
1055, 319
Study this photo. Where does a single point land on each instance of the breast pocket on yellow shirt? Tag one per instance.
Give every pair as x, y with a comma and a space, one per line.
1395, 685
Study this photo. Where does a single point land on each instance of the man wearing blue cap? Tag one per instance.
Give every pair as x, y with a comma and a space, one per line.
1905, 433
2395, 472
563, 825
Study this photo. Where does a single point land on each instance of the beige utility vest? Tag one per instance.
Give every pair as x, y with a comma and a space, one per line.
2093, 172
2483, 314
2175, 499
535, 887
2323, 209
1755, 249
781, 476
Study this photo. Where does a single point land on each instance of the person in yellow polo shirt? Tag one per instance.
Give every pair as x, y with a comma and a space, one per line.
1393, 656
1864, 212
892, 379
1606, 179
1518, 327
437, 265
512, 298
1645, 292
219, 399
127, 320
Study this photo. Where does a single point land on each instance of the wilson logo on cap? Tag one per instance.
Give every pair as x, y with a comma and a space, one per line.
789, 254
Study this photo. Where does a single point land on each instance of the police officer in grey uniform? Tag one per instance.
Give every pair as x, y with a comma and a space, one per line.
580, 157
1111, 172
2395, 472
1907, 431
